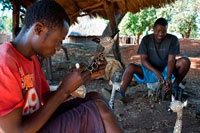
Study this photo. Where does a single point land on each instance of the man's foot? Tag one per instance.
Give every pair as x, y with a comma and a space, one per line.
119, 94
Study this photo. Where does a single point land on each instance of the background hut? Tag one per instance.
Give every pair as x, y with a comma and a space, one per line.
85, 30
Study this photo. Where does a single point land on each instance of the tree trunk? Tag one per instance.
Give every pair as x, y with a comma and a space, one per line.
138, 38
189, 31
182, 35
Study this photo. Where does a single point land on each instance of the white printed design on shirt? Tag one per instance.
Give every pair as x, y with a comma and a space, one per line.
32, 102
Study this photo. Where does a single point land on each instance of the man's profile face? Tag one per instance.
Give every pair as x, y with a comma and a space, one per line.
160, 32
50, 41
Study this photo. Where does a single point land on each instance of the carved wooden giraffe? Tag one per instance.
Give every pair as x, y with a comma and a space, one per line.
177, 106
107, 43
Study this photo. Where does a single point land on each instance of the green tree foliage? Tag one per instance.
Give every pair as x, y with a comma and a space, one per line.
5, 21
6, 24
136, 24
2, 25
185, 18
6, 4
181, 15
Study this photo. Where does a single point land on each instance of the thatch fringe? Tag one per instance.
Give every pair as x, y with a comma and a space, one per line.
88, 26
94, 7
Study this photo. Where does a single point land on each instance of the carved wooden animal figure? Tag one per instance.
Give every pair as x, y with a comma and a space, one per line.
177, 106
116, 80
107, 42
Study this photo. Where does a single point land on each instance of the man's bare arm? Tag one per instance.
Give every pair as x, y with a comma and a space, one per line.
171, 65
15, 122
170, 69
147, 64
32, 123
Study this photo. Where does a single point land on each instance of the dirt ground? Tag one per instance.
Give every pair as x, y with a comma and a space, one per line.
142, 114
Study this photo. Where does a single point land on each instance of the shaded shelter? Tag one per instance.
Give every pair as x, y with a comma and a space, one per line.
111, 10
107, 9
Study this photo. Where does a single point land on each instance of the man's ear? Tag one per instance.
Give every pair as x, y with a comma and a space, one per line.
39, 27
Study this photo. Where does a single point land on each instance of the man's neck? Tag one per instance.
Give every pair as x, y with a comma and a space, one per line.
22, 45
158, 41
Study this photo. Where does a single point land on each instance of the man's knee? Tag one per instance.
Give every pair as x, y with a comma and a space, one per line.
131, 67
100, 104
184, 62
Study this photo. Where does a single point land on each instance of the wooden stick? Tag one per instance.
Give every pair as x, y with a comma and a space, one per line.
90, 7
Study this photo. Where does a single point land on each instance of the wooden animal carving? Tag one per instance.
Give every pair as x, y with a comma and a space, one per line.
177, 107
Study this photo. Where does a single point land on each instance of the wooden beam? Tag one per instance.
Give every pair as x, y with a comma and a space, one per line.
89, 13
96, 10
114, 1
90, 7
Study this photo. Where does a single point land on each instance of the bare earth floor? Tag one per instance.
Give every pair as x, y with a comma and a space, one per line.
141, 114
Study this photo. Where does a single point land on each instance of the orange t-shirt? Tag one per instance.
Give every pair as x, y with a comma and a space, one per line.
19, 74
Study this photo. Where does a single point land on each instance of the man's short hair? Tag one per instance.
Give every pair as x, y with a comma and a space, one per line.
48, 12
161, 21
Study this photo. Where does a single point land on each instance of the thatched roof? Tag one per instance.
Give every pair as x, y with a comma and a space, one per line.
87, 26
102, 7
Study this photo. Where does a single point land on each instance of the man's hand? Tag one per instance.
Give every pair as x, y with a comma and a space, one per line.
74, 78
101, 69
99, 73
168, 85
159, 77
97, 66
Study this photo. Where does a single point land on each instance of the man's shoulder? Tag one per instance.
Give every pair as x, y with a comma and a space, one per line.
6, 55
148, 36
171, 36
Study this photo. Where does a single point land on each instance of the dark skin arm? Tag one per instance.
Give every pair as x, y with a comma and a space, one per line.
170, 68
94, 75
99, 72
147, 64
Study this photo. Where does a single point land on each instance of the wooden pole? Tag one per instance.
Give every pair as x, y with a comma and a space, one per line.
15, 16
113, 25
